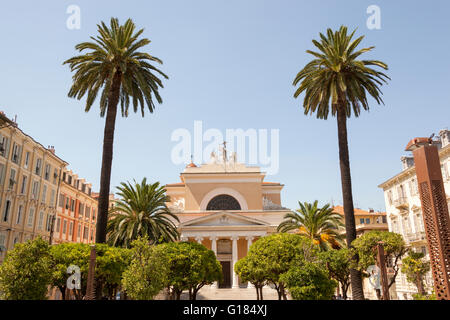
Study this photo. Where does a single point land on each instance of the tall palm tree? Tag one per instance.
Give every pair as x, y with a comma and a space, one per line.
115, 66
321, 225
337, 81
141, 211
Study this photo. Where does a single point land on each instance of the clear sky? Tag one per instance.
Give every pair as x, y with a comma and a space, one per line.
231, 65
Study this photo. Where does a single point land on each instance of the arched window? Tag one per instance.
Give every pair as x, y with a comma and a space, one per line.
223, 202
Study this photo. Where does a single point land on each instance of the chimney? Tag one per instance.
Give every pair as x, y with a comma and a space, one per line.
445, 137
371, 210
51, 149
407, 162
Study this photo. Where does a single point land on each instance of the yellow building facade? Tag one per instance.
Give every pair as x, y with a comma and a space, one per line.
76, 212
29, 180
225, 205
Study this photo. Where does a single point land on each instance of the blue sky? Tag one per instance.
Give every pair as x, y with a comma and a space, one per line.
231, 65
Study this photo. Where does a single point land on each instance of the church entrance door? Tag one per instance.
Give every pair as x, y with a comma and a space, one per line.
226, 273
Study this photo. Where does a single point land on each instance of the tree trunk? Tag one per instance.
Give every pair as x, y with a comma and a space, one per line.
257, 292
261, 293
344, 291
346, 182
419, 284
105, 177
62, 289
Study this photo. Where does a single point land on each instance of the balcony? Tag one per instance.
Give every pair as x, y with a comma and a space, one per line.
415, 237
401, 203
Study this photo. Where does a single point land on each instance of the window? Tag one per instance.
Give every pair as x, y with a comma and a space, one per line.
79, 231
69, 180
77, 183
30, 217
55, 175
52, 198
64, 227
61, 200
41, 220
12, 178
81, 210
48, 225
88, 212
384, 219
72, 205
15, 157
19, 214
85, 233
2, 241
4, 146
389, 194
27, 160
6, 212
58, 225
2, 173
38, 167
44, 194
89, 191
70, 228
361, 220
406, 225
47, 172
67, 202
24, 184
367, 220
93, 214
35, 191
83, 187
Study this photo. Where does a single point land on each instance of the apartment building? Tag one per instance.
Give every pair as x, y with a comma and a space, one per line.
76, 216
404, 211
29, 180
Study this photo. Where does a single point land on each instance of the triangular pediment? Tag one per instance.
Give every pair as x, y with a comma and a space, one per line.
223, 219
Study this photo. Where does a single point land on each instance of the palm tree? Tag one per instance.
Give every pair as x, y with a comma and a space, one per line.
141, 211
321, 225
336, 81
114, 66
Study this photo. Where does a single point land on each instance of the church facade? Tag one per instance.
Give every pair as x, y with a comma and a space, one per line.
226, 206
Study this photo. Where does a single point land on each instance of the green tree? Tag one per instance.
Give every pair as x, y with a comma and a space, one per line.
275, 254
141, 211
394, 249
335, 80
339, 262
115, 66
147, 273
25, 273
309, 282
190, 267
321, 225
64, 255
249, 270
415, 268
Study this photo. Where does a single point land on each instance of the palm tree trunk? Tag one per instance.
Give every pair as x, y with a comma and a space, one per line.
105, 177
346, 182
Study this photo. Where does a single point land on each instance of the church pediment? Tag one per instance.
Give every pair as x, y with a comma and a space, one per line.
224, 219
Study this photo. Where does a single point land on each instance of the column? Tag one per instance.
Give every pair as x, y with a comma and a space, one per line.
249, 243
214, 249
235, 282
